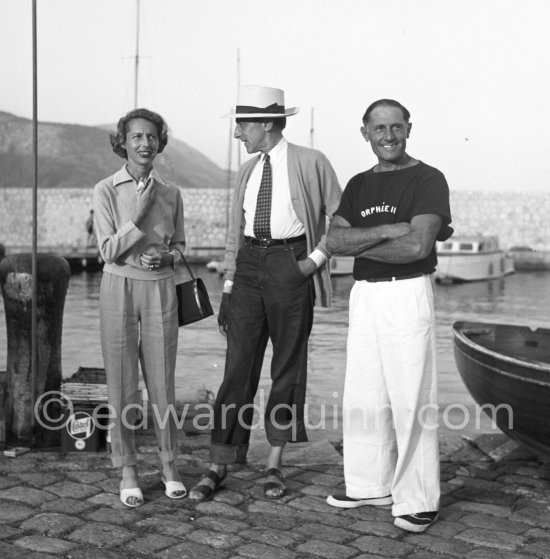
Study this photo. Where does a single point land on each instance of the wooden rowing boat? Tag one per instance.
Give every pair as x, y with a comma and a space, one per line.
506, 368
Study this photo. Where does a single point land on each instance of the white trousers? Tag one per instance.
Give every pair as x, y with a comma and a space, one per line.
390, 395
139, 324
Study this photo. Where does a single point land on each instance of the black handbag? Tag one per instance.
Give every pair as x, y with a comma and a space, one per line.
193, 301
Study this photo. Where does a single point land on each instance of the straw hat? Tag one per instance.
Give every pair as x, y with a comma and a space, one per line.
255, 101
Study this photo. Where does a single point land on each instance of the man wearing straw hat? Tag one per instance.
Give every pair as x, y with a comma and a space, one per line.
275, 272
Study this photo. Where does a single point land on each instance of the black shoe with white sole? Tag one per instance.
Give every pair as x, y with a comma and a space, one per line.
418, 522
345, 502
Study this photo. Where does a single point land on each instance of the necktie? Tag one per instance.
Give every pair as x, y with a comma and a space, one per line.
262, 218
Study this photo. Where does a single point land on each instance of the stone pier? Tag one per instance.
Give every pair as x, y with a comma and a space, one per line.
518, 218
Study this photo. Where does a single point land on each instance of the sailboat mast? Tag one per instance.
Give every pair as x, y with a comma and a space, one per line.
238, 87
136, 66
311, 130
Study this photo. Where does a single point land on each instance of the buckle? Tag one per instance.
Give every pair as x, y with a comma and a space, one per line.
264, 243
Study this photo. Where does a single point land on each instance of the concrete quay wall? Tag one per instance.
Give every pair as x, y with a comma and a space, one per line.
62, 214
518, 218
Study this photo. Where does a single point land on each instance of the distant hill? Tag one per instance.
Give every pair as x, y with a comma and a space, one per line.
71, 155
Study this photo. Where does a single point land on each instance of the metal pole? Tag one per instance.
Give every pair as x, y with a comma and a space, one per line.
34, 267
136, 74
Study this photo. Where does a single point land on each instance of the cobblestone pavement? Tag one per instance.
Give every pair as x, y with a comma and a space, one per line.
496, 504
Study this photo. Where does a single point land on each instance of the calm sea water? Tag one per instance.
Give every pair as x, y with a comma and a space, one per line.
522, 298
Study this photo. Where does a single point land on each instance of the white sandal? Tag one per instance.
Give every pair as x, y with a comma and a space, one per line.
135, 492
174, 489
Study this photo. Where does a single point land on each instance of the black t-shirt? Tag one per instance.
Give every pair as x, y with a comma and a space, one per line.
372, 199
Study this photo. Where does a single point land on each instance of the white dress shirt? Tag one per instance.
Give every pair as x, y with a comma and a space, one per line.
284, 222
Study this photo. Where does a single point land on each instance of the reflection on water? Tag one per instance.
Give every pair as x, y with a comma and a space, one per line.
522, 298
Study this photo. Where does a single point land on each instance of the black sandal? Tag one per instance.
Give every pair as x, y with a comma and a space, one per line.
205, 490
270, 485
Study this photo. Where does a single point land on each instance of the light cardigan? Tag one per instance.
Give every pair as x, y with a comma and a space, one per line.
315, 194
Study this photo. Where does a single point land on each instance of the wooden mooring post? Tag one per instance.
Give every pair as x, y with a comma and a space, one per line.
23, 427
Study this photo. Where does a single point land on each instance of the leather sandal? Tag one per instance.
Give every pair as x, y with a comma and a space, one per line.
205, 490
271, 485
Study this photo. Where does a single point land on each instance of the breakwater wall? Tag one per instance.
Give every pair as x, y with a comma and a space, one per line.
62, 215
518, 218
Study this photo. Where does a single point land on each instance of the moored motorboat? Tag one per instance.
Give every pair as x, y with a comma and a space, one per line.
530, 260
471, 258
215, 266
506, 369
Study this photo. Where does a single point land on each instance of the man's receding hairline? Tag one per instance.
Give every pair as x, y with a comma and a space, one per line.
386, 103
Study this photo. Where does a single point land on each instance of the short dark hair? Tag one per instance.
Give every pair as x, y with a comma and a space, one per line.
385, 103
119, 137
279, 122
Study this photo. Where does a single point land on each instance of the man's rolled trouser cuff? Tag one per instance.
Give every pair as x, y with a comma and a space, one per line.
290, 432
228, 454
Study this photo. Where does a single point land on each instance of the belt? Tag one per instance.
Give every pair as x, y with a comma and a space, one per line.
266, 243
396, 278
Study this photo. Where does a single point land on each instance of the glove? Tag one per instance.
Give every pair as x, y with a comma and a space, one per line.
223, 313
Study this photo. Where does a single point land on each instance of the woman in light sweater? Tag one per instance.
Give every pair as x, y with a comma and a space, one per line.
139, 226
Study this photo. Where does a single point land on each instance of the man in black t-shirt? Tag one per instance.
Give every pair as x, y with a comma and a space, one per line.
389, 219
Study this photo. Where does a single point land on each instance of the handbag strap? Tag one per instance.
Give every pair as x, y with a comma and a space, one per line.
186, 264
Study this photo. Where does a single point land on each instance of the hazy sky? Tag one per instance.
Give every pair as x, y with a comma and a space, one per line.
469, 71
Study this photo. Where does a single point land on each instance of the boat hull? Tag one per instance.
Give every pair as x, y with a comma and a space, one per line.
507, 371
473, 267
531, 260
